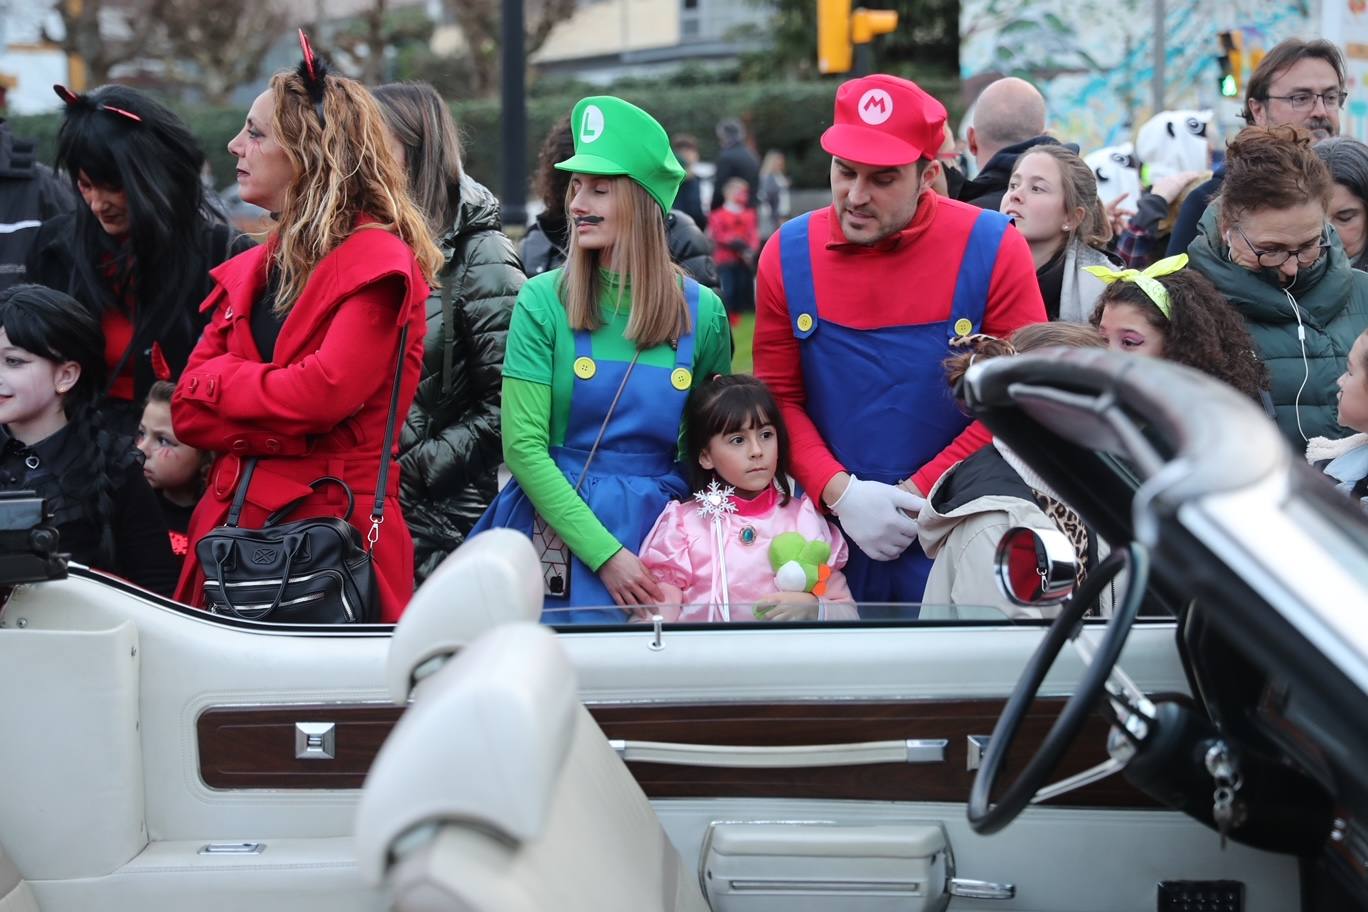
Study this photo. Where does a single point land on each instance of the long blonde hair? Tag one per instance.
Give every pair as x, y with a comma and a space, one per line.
641, 257
342, 170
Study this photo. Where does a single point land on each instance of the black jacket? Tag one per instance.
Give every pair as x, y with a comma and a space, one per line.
52, 263
141, 547
689, 200
1190, 215
450, 448
30, 194
548, 240
990, 185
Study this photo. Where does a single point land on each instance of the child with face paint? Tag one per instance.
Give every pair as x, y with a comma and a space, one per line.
54, 441
175, 470
600, 359
1172, 312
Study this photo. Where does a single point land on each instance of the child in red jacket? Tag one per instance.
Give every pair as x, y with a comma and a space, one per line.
736, 235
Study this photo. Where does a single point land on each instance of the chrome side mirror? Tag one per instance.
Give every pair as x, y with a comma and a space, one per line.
1036, 566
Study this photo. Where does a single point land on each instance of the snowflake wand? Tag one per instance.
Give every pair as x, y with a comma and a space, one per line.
714, 503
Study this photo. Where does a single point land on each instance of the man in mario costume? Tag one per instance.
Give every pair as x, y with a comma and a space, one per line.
856, 305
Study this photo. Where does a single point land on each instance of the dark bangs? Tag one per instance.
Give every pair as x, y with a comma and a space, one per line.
156, 162
725, 405
52, 325
85, 145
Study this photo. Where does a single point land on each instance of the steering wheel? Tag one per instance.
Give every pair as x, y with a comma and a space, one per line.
985, 817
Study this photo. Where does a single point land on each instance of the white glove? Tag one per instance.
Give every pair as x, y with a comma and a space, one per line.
880, 518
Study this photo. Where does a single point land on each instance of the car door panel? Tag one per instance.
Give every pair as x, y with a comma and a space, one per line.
1058, 859
776, 686
103, 795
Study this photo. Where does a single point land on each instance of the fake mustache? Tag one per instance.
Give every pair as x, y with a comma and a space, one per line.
588, 219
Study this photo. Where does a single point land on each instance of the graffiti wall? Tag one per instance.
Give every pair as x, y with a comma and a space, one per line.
1347, 22
1094, 59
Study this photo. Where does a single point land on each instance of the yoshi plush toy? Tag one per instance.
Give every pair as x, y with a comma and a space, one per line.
800, 564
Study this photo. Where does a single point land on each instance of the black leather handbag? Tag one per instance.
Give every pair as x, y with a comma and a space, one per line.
305, 571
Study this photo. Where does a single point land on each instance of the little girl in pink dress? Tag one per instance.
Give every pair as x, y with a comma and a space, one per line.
711, 555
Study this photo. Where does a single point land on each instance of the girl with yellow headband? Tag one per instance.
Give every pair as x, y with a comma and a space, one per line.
1169, 311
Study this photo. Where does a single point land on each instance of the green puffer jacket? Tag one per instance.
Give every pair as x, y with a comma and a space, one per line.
450, 448
1333, 300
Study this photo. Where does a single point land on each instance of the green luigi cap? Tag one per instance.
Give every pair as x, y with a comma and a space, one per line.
613, 137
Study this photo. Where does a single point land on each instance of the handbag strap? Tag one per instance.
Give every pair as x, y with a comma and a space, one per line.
240, 496
589, 460
378, 504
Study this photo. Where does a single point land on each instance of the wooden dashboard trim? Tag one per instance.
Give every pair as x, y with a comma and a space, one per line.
253, 747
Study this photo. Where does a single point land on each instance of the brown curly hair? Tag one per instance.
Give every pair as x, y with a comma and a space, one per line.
1272, 168
1205, 331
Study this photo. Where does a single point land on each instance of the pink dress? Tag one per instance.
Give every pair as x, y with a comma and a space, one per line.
681, 552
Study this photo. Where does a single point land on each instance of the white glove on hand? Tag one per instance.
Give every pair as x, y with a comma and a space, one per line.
879, 518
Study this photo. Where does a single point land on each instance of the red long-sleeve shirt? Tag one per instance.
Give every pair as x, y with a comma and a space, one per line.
864, 287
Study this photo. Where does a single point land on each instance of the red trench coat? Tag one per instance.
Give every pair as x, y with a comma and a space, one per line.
318, 407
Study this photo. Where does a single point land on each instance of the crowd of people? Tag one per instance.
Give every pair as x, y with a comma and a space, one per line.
164, 378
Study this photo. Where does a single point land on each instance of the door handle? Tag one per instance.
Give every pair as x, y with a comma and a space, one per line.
981, 889
910, 750
974, 751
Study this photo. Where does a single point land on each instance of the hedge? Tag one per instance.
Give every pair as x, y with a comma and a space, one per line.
788, 116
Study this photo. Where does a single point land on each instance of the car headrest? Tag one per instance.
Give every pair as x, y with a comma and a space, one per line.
492, 579
485, 746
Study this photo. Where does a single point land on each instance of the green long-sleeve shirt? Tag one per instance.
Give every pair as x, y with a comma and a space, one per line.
538, 383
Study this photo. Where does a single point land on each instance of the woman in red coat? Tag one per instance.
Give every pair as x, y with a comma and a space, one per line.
297, 363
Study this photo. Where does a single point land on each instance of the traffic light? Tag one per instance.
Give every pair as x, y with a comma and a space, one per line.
1231, 62
834, 51
840, 30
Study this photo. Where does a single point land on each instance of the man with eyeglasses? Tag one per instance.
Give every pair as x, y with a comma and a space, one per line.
1298, 83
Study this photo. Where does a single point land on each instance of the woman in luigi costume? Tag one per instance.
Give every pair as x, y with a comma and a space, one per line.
618, 328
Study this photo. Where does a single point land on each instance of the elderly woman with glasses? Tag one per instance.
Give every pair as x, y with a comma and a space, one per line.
1266, 243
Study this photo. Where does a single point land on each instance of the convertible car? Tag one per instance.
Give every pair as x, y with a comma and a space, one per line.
1202, 747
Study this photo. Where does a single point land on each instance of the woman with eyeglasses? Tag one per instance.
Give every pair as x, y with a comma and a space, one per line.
1266, 243
137, 254
294, 378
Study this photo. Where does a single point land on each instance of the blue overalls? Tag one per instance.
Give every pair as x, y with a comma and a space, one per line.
634, 473
879, 397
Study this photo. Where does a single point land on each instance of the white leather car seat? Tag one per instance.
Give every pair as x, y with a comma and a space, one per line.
15, 895
497, 792
491, 579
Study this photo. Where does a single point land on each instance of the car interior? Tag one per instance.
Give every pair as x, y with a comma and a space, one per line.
1197, 748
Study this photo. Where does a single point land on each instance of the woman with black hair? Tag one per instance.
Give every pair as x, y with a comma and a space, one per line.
137, 254
53, 439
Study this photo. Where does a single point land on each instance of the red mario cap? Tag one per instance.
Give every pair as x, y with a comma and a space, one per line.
886, 121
